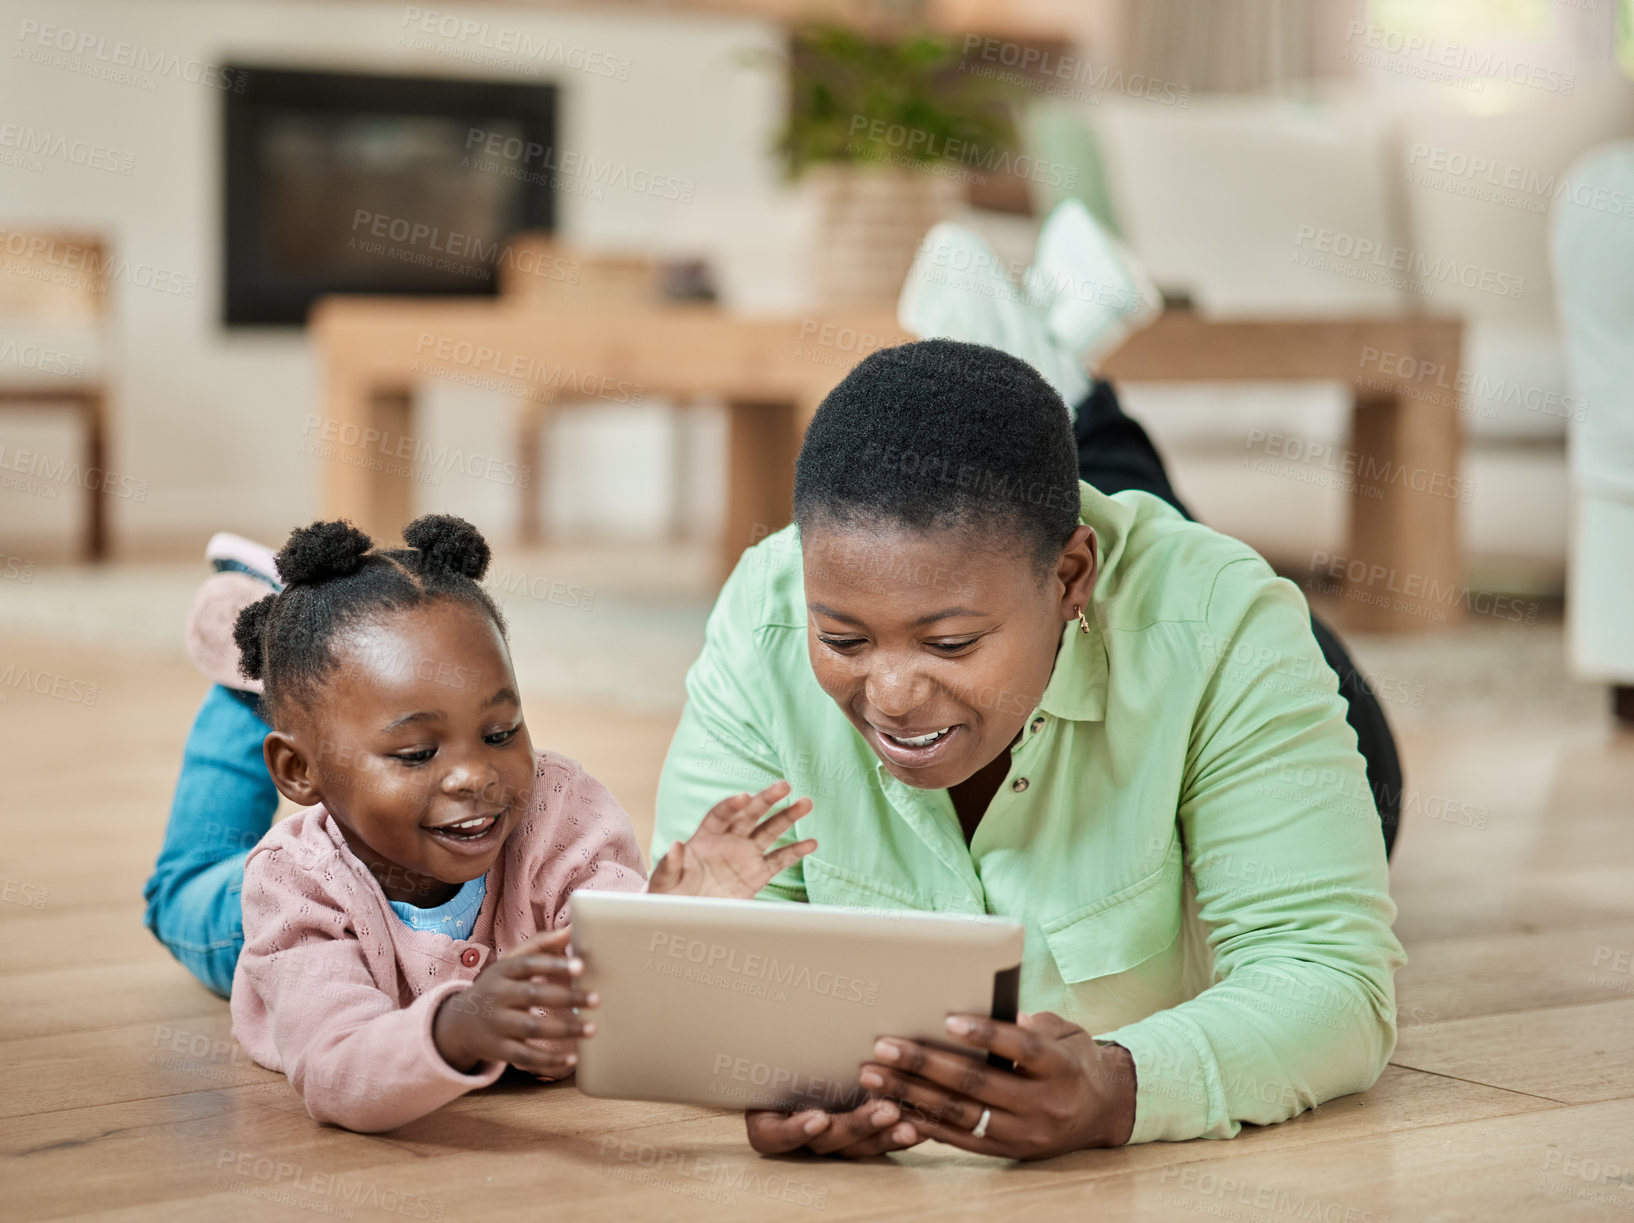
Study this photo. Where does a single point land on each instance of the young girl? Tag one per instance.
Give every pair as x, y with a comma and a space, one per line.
405, 937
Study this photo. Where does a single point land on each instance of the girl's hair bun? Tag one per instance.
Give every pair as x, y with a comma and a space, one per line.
322, 550
249, 632
450, 543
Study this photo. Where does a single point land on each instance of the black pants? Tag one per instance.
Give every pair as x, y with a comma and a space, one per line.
1114, 454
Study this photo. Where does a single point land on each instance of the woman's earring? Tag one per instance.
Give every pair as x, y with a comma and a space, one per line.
1083, 625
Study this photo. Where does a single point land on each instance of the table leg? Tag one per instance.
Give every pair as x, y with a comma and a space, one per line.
1404, 568
681, 416
532, 429
96, 498
761, 448
368, 461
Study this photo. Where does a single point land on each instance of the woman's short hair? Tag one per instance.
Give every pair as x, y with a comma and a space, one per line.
940, 434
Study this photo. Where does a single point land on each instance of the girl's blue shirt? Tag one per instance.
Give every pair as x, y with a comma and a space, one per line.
455, 918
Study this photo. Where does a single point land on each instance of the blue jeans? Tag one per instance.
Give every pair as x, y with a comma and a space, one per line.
224, 804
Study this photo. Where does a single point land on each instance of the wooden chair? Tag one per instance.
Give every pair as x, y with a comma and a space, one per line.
54, 309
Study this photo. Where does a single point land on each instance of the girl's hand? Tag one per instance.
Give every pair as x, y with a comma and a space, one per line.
493, 1021
728, 855
1065, 1093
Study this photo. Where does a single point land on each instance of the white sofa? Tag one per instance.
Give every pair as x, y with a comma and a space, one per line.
1216, 196
1592, 232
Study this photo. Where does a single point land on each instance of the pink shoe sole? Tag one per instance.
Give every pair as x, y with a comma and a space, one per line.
210, 623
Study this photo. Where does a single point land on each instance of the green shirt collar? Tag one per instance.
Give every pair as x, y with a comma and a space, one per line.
1077, 687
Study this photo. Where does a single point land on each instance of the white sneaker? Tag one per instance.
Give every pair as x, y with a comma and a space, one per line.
1084, 294
958, 289
1094, 289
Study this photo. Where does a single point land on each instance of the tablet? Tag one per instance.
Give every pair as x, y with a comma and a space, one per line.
754, 1004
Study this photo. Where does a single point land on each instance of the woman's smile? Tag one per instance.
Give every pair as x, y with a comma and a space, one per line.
915, 750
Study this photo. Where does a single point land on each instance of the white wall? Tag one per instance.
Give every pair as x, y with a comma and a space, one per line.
211, 419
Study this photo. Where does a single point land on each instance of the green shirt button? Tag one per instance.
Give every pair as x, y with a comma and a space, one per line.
1019, 784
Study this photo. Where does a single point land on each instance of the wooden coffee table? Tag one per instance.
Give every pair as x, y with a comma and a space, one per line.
1401, 570
1402, 567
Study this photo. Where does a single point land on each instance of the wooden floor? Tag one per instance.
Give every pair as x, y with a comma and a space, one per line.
1511, 1095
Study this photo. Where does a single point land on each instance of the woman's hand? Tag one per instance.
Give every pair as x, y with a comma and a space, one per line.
873, 1128
728, 855
493, 1021
1065, 1093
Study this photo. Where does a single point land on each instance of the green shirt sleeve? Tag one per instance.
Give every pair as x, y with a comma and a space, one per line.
1283, 843
721, 746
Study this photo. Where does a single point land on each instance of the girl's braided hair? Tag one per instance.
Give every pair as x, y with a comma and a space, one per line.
334, 578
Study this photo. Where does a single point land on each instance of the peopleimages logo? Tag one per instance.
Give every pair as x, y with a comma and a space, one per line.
281, 1175
519, 156
27, 895
1375, 584
96, 55
712, 1180
1034, 67
27, 355
522, 47
1206, 1183
41, 474
919, 144
1507, 185
1372, 473
33, 143
1476, 393
1451, 63
755, 1079
43, 258
717, 957
517, 372
47, 683
330, 438
468, 254
1411, 268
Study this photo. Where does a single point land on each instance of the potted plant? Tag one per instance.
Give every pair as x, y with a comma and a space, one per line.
887, 132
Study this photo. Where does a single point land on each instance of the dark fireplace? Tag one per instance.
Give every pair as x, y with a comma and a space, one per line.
351, 183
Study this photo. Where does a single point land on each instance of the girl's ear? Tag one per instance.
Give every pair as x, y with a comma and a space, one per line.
290, 769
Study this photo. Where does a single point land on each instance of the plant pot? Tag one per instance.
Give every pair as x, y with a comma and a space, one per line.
871, 220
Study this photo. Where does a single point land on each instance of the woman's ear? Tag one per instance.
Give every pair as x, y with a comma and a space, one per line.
290, 769
1076, 570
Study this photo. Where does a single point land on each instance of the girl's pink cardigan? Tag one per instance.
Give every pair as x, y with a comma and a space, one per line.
336, 991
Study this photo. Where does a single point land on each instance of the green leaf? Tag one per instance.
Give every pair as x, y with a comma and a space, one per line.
912, 84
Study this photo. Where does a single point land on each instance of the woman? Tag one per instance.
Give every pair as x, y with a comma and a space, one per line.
1010, 692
